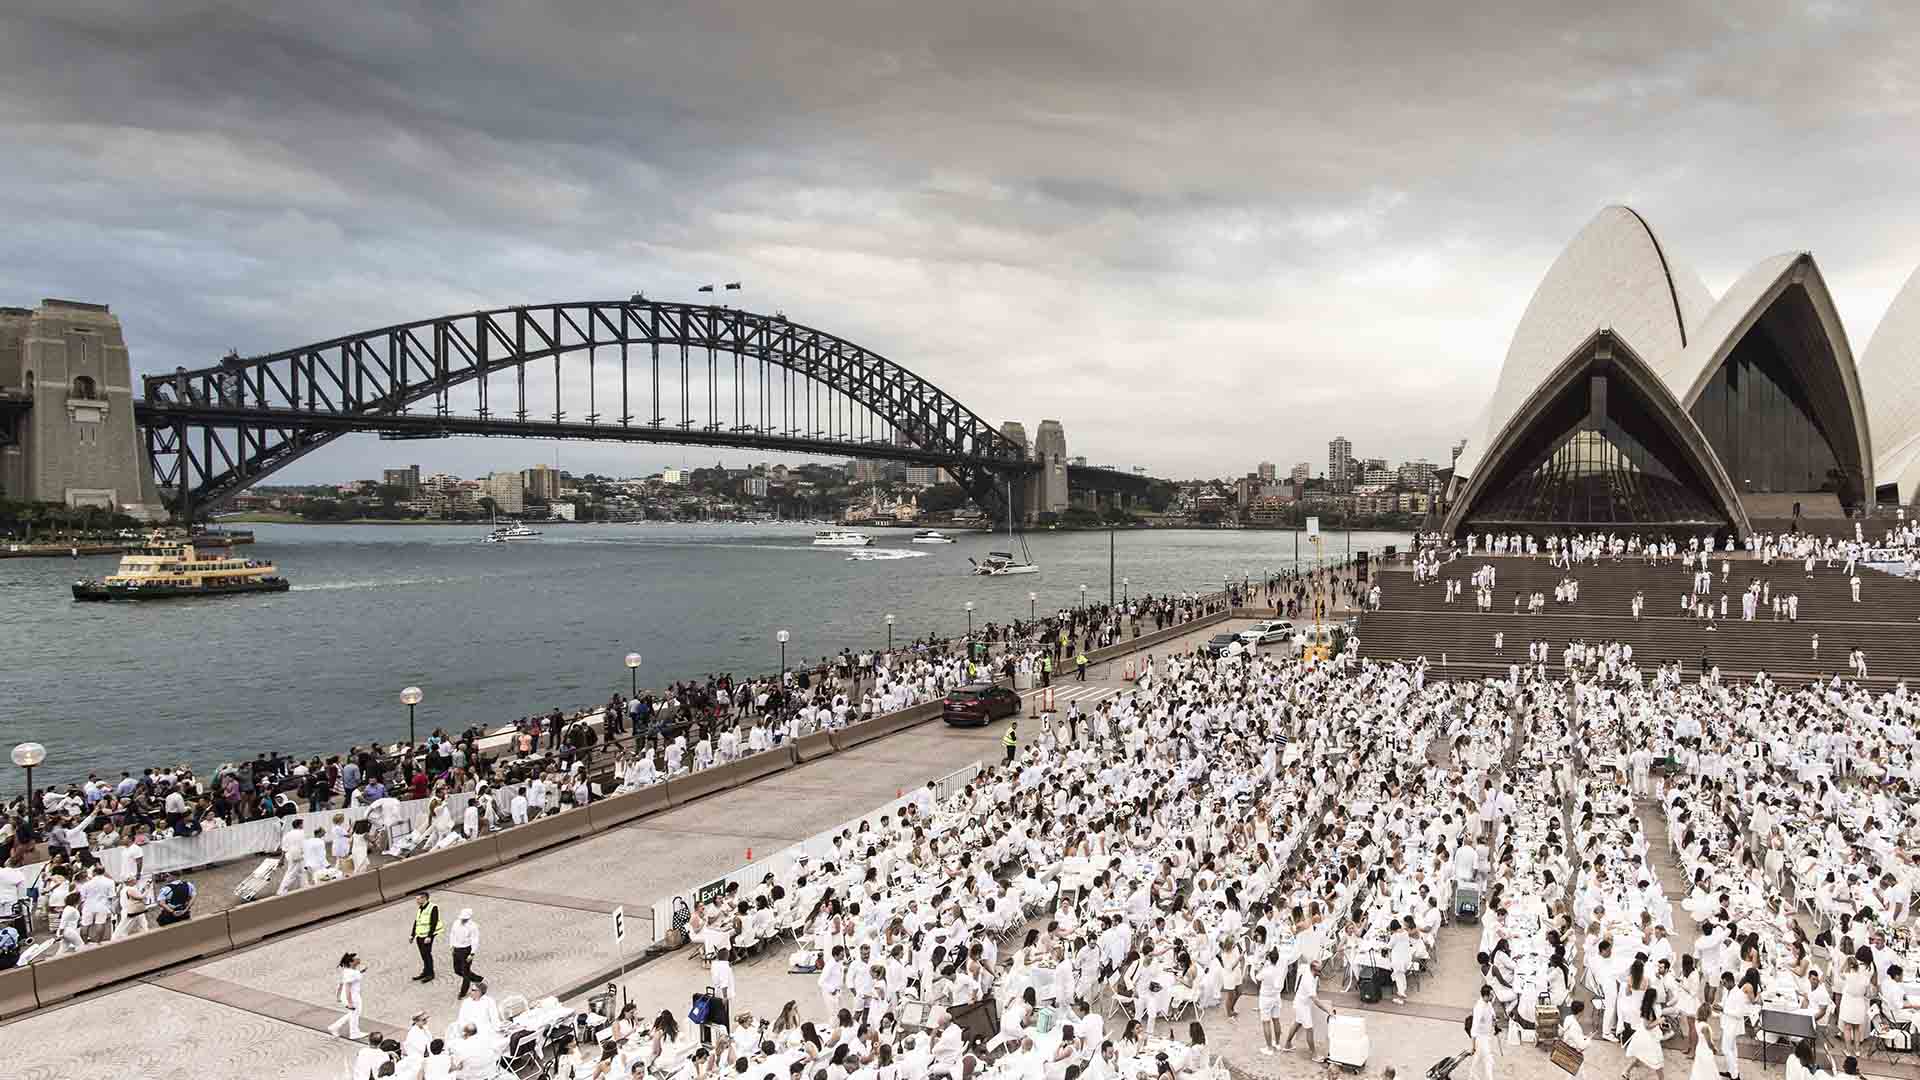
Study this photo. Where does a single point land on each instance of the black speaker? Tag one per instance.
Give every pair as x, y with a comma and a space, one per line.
1373, 983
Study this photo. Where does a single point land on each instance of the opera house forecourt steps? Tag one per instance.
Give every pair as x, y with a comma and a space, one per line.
1415, 620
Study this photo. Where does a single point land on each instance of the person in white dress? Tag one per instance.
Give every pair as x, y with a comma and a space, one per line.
360, 857
1643, 1046
1856, 983
1704, 1066
352, 971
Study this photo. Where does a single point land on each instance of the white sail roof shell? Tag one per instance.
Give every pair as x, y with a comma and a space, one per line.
1890, 378
1614, 275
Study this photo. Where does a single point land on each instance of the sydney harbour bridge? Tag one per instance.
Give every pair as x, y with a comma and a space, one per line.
634, 370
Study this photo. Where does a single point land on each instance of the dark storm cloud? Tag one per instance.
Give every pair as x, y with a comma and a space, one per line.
1200, 235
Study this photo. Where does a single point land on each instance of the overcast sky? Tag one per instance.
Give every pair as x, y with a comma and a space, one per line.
1199, 234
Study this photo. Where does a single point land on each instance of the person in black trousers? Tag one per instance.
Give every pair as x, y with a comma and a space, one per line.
464, 937
426, 927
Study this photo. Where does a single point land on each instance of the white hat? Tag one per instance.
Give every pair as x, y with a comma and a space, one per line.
466, 913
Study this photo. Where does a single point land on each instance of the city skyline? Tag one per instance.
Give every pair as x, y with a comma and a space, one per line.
1034, 251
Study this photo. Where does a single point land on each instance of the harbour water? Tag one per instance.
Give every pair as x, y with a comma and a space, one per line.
491, 632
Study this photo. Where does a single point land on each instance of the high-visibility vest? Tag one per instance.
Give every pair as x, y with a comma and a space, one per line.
424, 920
1011, 738
1081, 660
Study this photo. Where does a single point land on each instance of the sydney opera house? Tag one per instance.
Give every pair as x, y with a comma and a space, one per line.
1633, 400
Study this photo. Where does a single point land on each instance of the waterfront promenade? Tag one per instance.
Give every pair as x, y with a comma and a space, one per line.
545, 921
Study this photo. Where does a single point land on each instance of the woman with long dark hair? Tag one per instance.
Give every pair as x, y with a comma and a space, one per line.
1643, 1047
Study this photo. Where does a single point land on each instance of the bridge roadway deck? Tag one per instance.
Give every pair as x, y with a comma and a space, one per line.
263, 1011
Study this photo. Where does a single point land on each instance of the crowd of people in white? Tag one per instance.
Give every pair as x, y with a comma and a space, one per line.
1241, 828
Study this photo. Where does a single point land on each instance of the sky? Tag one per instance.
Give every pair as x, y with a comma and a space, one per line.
1200, 235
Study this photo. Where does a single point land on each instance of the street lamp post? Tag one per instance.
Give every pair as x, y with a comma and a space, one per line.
633, 674
889, 633
969, 618
1031, 597
1083, 598
1110, 533
27, 755
410, 697
783, 636
1125, 595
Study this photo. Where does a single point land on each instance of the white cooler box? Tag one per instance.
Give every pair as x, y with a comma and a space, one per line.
1347, 1043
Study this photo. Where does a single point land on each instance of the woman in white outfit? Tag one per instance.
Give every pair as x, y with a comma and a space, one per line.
351, 971
1704, 1067
1643, 1047
1233, 974
1399, 959
340, 843
68, 925
361, 858
1856, 982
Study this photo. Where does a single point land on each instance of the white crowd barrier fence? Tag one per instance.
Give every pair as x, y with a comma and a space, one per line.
250, 838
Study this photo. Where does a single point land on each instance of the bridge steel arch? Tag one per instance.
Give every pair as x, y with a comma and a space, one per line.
214, 431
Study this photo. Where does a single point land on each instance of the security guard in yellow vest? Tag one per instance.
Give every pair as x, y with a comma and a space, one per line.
1011, 740
426, 927
1080, 667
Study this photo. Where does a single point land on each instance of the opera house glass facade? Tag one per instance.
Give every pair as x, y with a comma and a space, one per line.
1761, 422
1633, 400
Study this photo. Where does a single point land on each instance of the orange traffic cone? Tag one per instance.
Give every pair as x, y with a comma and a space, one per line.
749, 854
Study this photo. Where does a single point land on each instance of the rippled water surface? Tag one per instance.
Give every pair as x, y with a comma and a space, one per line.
493, 631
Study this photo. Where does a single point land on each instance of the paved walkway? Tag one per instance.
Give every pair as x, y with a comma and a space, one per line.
544, 927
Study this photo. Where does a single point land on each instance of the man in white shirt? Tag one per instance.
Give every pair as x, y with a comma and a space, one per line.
367, 1062
96, 905
1306, 998
517, 809
946, 1051
464, 937
1482, 1029
292, 843
833, 980
313, 856
480, 1010
419, 1037
1604, 974
1466, 864
13, 885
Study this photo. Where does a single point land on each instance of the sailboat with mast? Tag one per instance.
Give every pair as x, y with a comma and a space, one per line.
1002, 563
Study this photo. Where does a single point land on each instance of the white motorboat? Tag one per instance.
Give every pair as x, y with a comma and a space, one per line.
931, 536
510, 532
840, 538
